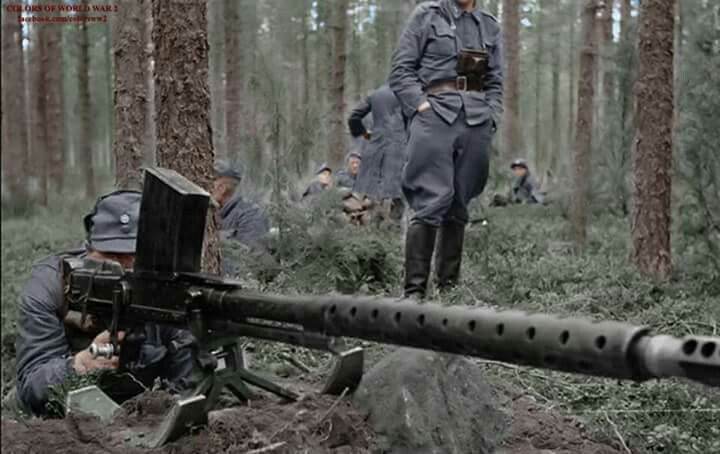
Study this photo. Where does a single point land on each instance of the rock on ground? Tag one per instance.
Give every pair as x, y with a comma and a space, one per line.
427, 402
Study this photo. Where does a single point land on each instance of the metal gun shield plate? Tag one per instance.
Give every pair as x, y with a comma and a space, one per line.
92, 401
172, 223
347, 372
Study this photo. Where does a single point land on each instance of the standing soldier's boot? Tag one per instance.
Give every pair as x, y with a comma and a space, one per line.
419, 247
449, 255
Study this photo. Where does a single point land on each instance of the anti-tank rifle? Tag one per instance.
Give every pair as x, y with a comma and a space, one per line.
166, 287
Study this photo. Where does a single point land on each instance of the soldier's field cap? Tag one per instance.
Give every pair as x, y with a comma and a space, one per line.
224, 169
354, 154
112, 225
322, 167
519, 163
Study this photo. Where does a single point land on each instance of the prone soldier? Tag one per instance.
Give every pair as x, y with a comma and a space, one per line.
447, 74
53, 344
345, 178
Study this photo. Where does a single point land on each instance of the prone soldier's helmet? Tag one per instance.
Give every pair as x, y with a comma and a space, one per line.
519, 163
322, 168
112, 225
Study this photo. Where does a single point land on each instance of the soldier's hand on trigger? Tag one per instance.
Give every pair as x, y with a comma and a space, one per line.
84, 362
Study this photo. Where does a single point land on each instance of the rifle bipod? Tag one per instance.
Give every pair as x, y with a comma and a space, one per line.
223, 367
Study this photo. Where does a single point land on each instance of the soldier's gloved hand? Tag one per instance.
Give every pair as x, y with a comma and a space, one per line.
84, 362
423, 107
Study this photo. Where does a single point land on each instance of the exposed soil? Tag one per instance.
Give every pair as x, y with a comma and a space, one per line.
316, 424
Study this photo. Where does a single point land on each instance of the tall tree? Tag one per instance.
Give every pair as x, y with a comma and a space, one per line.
584, 128
571, 73
55, 109
182, 100
556, 143
233, 80
216, 34
40, 151
608, 77
511, 101
14, 120
336, 140
652, 148
86, 119
131, 95
539, 53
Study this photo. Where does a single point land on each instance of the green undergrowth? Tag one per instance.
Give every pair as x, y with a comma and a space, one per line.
521, 258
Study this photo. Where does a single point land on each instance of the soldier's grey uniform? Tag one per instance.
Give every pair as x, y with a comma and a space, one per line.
45, 347
243, 220
525, 190
448, 144
316, 186
344, 179
380, 175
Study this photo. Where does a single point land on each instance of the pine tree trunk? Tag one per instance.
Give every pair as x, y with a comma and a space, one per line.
149, 139
511, 101
183, 103
556, 127
40, 147
607, 52
336, 122
571, 75
14, 120
653, 144
55, 110
130, 95
216, 35
584, 128
538, 142
86, 117
233, 81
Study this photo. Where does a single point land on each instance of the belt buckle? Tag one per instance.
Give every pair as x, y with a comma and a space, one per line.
461, 83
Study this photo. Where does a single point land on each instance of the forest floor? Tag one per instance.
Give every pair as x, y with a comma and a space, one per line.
521, 259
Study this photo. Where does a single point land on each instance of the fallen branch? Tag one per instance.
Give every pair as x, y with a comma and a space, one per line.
332, 407
617, 433
267, 448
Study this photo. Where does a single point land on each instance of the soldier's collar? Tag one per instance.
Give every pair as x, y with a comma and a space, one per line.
456, 11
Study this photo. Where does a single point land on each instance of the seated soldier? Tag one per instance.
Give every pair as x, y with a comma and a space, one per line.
524, 187
345, 178
239, 219
53, 344
323, 180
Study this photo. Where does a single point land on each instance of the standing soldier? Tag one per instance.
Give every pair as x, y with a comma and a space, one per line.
381, 171
447, 74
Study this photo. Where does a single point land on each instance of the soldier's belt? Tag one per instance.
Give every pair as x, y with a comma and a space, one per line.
461, 83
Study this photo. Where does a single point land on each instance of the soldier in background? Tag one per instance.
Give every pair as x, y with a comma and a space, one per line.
524, 189
345, 178
447, 74
323, 180
381, 172
239, 219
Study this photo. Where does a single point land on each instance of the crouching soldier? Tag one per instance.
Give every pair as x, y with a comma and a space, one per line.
345, 178
447, 74
525, 188
323, 180
53, 344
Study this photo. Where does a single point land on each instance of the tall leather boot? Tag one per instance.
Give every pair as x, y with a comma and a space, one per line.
419, 247
449, 255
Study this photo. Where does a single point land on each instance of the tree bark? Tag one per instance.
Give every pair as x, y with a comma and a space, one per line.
86, 117
511, 101
182, 100
336, 141
216, 34
14, 119
53, 79
538, 142
607, 62
584, 128
653, 143
556, 145
40, 147
130, 95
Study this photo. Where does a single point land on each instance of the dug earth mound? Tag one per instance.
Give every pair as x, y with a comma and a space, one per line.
412, 401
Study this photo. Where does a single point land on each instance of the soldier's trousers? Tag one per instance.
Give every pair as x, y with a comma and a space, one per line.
447, 167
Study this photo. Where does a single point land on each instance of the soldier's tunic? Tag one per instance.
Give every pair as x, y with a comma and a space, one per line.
45, 350
344, 179
380, 175
243, 221
448, 144
525, 190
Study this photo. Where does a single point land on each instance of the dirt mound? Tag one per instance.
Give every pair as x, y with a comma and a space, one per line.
535, 430
322, 424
